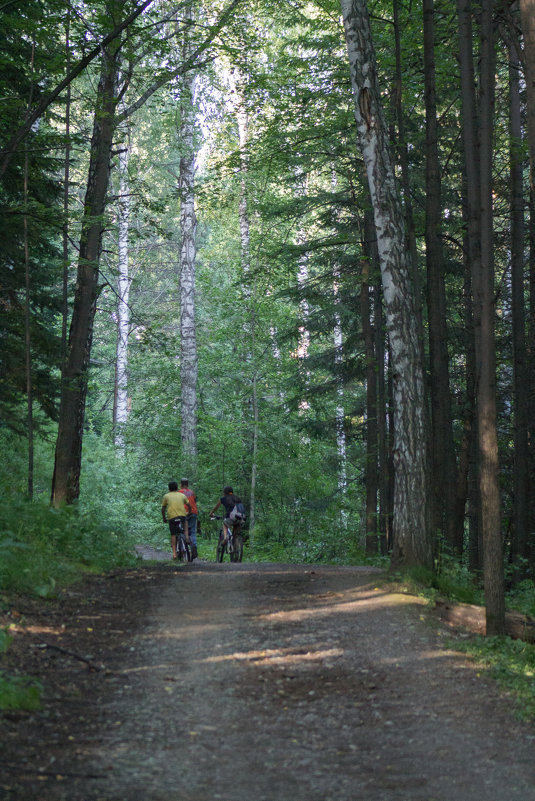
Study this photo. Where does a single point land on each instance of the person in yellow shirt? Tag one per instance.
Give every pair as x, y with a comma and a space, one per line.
175, 509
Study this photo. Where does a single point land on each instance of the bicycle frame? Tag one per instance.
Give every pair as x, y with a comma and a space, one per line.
182, 547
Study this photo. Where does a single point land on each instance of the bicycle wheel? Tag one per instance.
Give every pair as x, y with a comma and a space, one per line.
185, 551
221, 546
238, 548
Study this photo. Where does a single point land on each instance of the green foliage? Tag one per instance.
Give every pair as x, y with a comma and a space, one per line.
29, 65
511, 662
522, 597
19, 692
42, 547
451, 580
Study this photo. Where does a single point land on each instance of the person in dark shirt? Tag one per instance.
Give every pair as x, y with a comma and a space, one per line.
228, 501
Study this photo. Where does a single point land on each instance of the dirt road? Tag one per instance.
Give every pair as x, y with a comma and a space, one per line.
256, 683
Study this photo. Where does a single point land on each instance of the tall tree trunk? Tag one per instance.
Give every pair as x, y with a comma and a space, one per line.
188, 254
120, 409
520, 371
527, 15
466, 448
384, 445
372, 472
27, 304
66, 479
412, 535
341, 448
531, 387
66, 179
248, 281
28, 338
338, 336
442, 452
472, 190
403, 156
483, 284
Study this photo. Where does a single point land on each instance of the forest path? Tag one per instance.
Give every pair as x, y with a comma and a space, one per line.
273, 683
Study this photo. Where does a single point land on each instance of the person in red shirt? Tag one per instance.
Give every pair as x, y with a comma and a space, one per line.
192, 517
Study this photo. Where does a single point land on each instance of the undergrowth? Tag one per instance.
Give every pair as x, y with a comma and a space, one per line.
42, 548
510, 662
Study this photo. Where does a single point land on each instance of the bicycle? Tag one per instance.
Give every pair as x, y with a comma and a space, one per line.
183, 548
234, 544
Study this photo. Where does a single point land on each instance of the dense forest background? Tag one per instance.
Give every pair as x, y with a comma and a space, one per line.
193, 284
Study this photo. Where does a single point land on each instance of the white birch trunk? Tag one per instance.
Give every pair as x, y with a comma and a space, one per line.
303, 345
338, 360
412, 543
188, 253
242, 119
340, 414
123, 308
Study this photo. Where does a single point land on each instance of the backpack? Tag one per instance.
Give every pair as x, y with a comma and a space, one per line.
237, 514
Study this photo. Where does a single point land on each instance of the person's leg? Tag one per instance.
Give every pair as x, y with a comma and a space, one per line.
192, 527
173, 526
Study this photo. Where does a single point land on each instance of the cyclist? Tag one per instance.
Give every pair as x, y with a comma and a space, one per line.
176, 505
192, 517
228, 501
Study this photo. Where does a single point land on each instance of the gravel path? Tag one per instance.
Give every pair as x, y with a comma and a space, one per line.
286, 683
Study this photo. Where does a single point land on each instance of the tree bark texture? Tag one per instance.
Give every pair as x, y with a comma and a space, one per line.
412, 537
384, 439
66, 480
372, 472
188, 254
